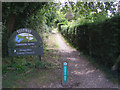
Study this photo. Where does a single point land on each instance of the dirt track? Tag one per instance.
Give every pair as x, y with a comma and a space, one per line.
81, 74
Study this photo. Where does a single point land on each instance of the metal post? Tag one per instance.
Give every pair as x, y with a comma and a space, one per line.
64, 81
65, 72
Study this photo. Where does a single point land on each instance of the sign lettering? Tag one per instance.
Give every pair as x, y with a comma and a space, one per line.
25, 42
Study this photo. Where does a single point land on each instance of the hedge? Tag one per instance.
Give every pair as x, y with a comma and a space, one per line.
98, 40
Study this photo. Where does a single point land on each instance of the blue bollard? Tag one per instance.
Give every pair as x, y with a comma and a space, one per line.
65, 73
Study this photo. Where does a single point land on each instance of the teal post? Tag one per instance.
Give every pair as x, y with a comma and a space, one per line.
65, 73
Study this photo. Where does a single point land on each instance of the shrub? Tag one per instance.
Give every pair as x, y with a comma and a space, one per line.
99, 40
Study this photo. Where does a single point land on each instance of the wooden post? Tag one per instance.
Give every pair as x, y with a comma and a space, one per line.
11, 59
39, 57
90, 53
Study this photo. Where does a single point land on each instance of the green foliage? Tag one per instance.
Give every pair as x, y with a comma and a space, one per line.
19, 65
99, 40
43, 65
59, 25
16, 15
24, 68
40, 65
24, 64
60, 18
37, 16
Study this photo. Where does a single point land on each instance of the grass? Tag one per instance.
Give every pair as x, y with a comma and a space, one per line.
39, 77
18, 80
24, 70
113, 76
10, 79
11, 71
52, 41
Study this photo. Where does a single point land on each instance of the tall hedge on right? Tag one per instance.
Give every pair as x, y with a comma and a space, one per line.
99, 40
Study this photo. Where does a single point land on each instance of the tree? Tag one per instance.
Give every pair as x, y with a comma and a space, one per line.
15, 16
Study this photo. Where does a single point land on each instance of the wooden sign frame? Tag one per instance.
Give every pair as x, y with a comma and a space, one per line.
16, 48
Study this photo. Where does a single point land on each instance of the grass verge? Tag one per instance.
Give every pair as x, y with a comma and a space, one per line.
28, 70
113, 76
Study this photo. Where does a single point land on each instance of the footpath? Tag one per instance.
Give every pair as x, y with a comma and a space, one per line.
81, 73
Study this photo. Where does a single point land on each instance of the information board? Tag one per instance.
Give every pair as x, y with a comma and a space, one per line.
25, 42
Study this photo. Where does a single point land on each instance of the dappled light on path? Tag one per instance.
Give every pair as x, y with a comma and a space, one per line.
81, 73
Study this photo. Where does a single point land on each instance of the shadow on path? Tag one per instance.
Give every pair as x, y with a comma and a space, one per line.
81, 73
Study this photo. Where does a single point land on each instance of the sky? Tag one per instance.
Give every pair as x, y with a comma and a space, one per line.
109, 13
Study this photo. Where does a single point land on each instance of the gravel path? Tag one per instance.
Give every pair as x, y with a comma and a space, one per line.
81, 73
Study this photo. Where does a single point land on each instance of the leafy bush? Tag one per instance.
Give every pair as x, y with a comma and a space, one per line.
100, 40
59, 25
18, 66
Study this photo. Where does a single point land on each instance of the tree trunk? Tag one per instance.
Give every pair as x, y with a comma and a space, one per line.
90, 51
0, 11
11, 23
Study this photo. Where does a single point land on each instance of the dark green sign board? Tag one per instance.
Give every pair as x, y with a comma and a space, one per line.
25, 42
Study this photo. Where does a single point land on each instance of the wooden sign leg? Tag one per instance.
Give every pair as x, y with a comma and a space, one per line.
11, 59
40, 57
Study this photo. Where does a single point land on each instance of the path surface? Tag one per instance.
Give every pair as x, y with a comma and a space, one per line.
81, 74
